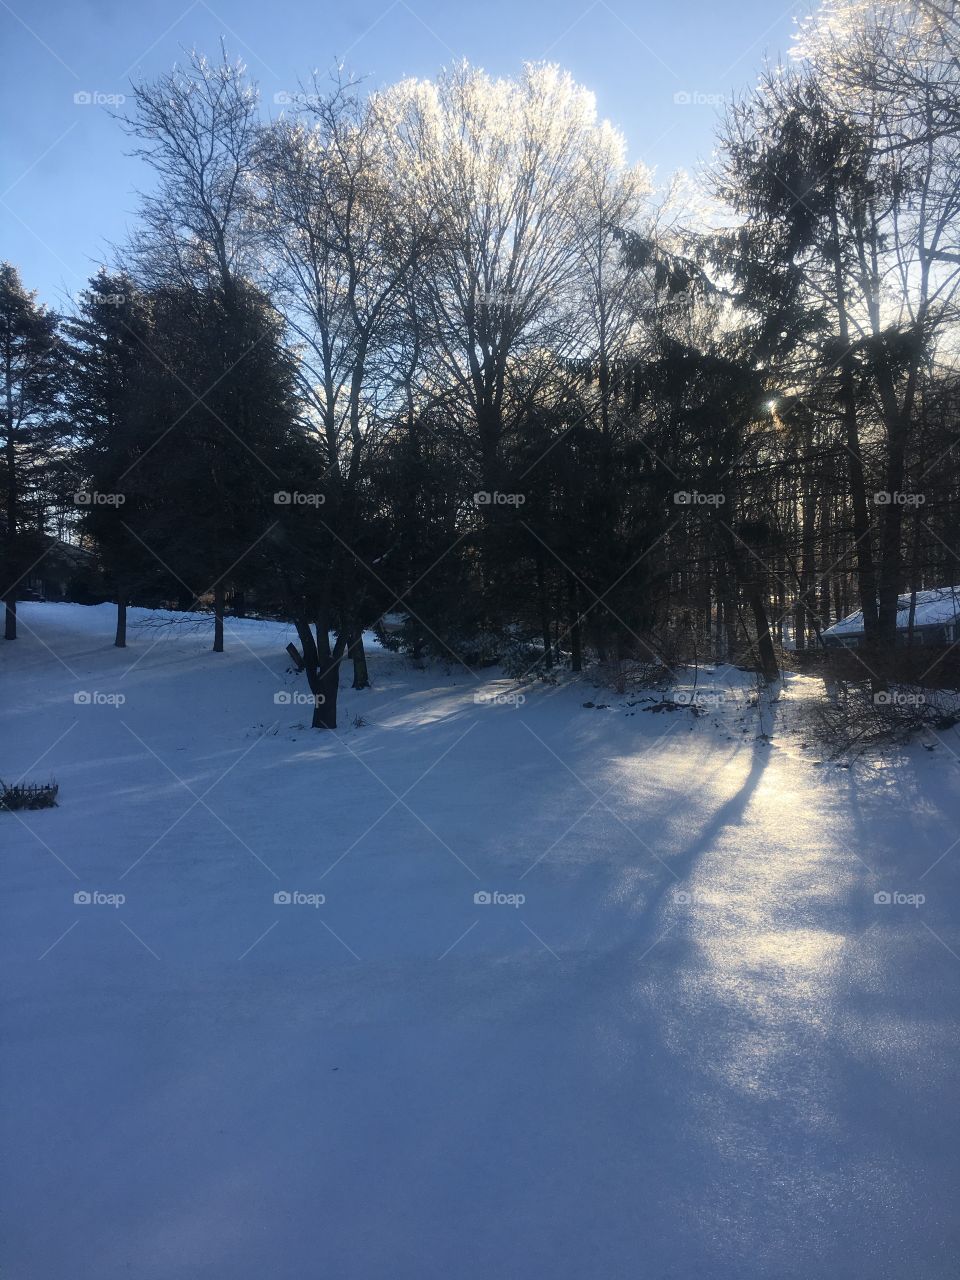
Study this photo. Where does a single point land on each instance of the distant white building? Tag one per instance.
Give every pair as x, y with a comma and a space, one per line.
936, 621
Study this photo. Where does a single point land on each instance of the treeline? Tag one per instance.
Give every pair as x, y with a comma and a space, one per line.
437, 352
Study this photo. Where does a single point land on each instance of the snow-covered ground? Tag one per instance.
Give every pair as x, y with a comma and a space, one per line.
698, 1047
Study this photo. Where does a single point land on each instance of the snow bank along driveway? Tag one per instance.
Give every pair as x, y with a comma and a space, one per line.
481, 989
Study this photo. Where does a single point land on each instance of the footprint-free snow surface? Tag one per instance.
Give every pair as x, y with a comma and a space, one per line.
675, 1035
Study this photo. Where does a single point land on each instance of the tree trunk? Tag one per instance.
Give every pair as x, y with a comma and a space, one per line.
357, 654
322, 669
806, 611
120, 640
325, 697
717, 633
828, 544
544, 612
10, 598
891, 545
767, 653
862, 525
327, 678
576, 634
218, 603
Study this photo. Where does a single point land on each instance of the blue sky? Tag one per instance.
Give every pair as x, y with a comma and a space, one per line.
67, 188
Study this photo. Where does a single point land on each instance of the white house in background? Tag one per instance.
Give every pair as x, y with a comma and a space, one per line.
936, 621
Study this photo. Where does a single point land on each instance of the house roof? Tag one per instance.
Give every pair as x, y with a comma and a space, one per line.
71, 552
935, 606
